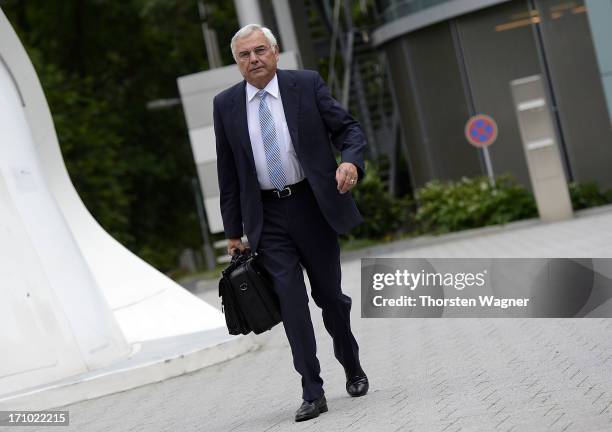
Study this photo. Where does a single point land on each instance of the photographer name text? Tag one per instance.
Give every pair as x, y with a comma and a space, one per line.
459, 281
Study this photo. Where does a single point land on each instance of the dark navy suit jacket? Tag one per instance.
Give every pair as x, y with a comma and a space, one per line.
314, 119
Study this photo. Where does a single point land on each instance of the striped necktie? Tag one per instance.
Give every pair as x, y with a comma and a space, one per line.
271, 147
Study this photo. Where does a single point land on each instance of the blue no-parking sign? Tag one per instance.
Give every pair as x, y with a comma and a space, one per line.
481, 130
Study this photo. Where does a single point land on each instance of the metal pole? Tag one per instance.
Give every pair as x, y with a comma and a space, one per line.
352, 66
488, 166
210, 38
248, 11
286, 28
348, 67
332, 55
467, 88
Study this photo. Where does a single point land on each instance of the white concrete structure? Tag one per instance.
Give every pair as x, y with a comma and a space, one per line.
72, 299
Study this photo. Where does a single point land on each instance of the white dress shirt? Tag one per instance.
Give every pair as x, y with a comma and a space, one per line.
293, 170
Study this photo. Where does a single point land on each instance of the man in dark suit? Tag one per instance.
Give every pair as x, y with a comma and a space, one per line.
280, 184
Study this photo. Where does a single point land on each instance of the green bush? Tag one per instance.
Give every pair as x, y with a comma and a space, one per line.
383, 214
585, 195
470, 203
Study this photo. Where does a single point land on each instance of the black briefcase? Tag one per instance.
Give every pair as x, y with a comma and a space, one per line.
247, 297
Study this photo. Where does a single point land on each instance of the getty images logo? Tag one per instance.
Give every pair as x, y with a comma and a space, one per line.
414, 280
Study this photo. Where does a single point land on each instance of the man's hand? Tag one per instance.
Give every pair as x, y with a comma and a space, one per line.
235, 244
346, 176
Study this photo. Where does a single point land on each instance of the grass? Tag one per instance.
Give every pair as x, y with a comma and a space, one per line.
352, 244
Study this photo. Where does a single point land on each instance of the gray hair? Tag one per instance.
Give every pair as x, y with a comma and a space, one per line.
247, 30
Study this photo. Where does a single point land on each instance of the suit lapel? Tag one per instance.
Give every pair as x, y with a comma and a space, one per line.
239, 115
291, 103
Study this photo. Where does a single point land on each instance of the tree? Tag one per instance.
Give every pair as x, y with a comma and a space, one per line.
100, 62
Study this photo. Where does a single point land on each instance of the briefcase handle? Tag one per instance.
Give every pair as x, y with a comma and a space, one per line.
239, 256
237, 259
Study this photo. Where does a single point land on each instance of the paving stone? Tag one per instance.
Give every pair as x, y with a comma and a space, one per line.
430, 375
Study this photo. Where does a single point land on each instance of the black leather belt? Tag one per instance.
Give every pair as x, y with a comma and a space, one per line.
288, 191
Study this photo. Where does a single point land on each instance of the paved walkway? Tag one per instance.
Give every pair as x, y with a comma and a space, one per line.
430, 375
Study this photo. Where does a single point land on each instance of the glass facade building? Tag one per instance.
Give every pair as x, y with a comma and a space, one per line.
453, 59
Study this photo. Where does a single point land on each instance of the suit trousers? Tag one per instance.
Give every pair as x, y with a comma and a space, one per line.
295, 234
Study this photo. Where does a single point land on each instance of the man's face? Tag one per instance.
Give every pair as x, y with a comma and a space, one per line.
257, 69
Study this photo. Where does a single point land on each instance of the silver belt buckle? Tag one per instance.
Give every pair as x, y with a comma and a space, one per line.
282, 194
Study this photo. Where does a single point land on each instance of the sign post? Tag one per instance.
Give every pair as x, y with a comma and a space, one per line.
481, 131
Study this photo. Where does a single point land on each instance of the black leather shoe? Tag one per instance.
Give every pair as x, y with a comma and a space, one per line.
357, 384
310, 410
